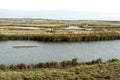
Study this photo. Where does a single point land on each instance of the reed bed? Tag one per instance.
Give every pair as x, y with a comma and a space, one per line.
59, 35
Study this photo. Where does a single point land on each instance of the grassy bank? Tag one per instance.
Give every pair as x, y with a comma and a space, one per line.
109, 70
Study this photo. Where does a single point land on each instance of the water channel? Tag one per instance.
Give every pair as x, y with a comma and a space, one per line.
28, 52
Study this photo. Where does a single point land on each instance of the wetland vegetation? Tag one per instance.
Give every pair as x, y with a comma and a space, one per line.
66, 70
55, 31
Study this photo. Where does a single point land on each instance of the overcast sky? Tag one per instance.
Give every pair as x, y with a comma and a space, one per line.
75, 5
103, 6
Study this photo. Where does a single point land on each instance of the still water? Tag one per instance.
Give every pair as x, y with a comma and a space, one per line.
46, 51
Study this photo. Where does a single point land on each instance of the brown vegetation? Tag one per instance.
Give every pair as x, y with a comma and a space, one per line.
101, 30
66, 70
56, 65
59, 35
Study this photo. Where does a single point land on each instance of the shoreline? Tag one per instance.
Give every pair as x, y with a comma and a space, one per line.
53, 65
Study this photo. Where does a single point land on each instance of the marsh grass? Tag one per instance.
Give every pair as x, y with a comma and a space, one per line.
53, 65
59, 35
95, 70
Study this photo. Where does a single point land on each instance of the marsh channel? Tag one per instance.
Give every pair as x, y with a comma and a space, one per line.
32, 52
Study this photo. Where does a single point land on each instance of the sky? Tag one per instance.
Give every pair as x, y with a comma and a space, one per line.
108, 8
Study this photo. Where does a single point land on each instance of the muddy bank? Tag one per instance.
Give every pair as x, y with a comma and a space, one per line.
24, 46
